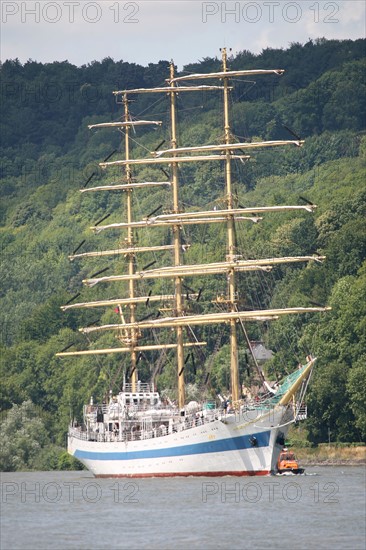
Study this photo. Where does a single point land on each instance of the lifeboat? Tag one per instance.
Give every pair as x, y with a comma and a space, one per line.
287, 463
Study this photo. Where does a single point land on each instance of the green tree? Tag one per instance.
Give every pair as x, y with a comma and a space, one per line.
337, 392
356, 384
23, 437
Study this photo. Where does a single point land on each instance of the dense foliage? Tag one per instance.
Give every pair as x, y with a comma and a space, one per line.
47, 154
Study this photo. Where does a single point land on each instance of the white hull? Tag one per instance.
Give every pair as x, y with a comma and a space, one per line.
233, 445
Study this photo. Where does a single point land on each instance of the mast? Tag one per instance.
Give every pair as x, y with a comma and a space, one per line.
231, 243
131, 256
128, 333
177, 244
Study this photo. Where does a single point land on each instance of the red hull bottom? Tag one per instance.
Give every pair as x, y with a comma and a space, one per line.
189, 474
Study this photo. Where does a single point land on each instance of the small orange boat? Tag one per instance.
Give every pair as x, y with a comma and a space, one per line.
287, 462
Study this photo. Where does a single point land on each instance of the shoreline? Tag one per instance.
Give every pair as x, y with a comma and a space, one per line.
326, 455
331, 462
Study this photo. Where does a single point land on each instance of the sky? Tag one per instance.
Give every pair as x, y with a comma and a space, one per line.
147, 31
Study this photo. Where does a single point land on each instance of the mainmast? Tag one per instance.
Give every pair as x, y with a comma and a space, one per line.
177, 243
231, 243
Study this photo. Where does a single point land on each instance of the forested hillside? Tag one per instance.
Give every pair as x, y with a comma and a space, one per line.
48, 154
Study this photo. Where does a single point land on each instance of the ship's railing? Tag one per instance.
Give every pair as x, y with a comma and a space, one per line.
143, 407
301, 412
116, 408
295, 412
262, 402
139, 387
153, 429
254, 405
156, 420
79, 433
131, 434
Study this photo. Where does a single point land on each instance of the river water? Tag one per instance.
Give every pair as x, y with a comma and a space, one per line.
323, 509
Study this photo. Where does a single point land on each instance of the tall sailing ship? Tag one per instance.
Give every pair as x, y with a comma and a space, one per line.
137, 433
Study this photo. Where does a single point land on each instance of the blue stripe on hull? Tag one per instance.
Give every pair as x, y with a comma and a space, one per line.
222, 445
